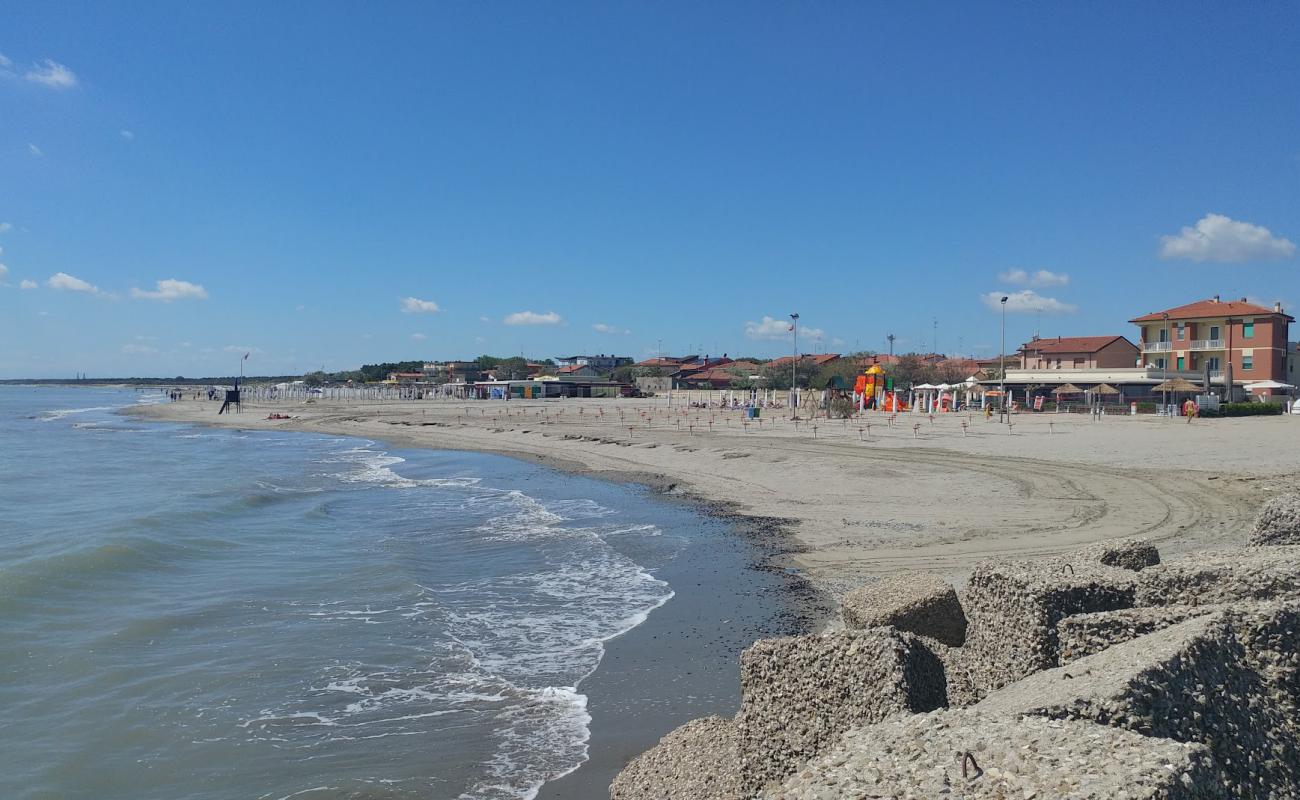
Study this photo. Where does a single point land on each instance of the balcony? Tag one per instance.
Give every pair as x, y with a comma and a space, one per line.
1157, 347
1207, 344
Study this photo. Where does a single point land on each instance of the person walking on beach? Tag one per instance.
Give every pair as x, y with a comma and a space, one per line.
1190, 409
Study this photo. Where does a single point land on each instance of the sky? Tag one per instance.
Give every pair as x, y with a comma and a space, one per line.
330, 184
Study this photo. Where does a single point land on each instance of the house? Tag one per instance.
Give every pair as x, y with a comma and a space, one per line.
602, 363
1233, 340
577, 372
817, 360
406, 377
1078, 352
717, 376
668, 362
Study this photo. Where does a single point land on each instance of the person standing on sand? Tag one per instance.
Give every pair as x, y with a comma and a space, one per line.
1190, 409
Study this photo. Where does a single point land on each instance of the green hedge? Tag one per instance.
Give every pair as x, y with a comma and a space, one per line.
1246, 410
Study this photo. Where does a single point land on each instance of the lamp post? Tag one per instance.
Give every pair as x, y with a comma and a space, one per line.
794, 362
1164, 393
1003, 357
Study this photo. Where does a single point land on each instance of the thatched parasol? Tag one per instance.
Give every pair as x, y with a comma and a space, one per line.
1176, 385
1104, 388
1068, 388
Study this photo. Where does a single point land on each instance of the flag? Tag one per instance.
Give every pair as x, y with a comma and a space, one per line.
246, 355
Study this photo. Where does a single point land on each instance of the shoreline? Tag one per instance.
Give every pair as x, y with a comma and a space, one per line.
863, 502
639, 691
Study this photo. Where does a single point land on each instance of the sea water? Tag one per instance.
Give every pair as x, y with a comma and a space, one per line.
189, 612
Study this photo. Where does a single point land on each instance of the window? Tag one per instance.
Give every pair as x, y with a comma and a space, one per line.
1160, 362
1248, 362
1214, 332
1213, 363
1248, 329
1164, 335
1182, 331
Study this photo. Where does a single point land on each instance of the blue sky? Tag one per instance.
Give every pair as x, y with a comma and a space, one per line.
675, 172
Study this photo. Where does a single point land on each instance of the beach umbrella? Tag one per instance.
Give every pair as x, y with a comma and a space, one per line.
1176, 385
1258, 386
1068, 388
1105, 388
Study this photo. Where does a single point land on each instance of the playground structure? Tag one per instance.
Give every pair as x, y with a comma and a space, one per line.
875, 391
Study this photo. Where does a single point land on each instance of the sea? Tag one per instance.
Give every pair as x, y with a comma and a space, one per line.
191, 613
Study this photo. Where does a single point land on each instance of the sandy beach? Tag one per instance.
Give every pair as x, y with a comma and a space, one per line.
874, 496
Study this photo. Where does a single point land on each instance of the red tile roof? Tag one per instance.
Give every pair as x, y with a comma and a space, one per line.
1072, 344
574, 368
819, 359
1212, 308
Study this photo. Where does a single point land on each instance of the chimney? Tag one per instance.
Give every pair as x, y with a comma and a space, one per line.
1243, 299
1277, 307
1216, 299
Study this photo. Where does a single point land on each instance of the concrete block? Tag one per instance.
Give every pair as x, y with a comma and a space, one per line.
1278, 521
923, 756
1085, 634
1250, 574
698, 761
799, 694
1013, 607
917, 602
1130, 554
1227, 680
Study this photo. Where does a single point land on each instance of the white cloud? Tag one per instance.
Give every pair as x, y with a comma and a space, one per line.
1041, 278
412, 305
34, 150
127, 135
4, 273
28, 284
242, 348
419, 337
52, 74
1027, 300
172, 289
484, 319
5, 62
1219, 238
770, 329
67, 283
533, 318
601, 327
5, 227
138, 349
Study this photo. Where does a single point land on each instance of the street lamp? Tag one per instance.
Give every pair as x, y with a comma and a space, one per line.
794, 362
1003, 356
1164, 393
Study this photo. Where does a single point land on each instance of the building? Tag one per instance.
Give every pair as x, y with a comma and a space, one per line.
1231, 340
576, 372
1078, 352
602, 363
816, 359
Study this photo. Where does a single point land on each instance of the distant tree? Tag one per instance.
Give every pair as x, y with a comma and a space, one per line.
511, 369
777, 376
316, 378
909, 371
847, 368
629, 373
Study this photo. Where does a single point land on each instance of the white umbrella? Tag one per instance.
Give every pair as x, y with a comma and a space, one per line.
1269, 384
925, 386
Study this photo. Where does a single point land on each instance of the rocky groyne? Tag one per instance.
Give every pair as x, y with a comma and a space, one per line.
1102, 673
